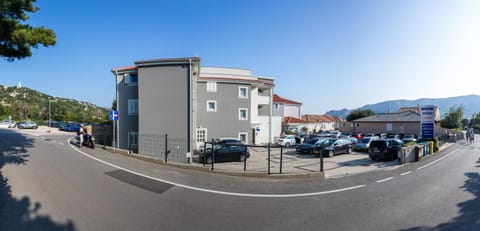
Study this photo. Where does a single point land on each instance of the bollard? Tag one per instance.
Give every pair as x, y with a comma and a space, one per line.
245, 159
268, 147
213, 154
281, 159
204, 153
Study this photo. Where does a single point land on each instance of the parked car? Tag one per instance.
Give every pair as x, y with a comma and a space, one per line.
286, 140
385, 149
27, 124
220, 141
333, 146
308, 146
72, 127
409, 138
225, 153
364, 143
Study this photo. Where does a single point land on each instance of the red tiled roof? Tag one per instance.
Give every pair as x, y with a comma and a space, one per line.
278, 99
292, 120
127, 68
321, 118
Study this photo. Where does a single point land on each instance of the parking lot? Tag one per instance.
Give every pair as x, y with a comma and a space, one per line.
292, 163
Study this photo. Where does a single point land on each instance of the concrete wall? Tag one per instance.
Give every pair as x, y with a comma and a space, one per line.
278, 109
396, 127
163, 99
126, 122
225, 121
292, 110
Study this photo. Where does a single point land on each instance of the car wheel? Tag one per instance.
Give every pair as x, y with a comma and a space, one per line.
349, 150
287, 144
330, 153
242, 158
209, 160
394, 156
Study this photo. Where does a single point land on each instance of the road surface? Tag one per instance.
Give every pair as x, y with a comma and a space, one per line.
49, 185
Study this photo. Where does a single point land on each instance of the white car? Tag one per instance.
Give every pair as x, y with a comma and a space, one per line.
286, 140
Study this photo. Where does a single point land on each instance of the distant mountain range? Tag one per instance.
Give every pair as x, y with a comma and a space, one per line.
470, 104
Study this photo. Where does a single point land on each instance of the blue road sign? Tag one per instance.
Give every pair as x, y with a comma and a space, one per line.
113, 115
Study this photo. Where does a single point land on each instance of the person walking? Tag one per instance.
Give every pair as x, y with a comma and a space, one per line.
81, 131
472, 136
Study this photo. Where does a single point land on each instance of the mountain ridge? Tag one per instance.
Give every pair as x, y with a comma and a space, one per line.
469, 103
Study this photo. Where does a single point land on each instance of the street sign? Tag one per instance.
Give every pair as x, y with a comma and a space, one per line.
427, 121
114, 115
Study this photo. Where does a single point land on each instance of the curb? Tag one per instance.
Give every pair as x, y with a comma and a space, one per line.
219, 172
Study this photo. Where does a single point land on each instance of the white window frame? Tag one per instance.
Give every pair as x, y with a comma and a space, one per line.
240, 113
201, 135
208, 108
132, 139
211, 86
246, 136
132, 106
240, 93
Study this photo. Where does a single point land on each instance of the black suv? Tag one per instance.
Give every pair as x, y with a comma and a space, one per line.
225, 153
384, 149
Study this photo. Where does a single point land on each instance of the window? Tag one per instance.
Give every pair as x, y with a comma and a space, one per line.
132, 139
243, 114
243, 136
212, 105
275, 105
133, 106
201, 134
389, 127
243, 92
131, 79
211, 87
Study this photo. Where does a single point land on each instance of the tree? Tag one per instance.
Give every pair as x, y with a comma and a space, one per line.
357, 114
465, 123
114, 105
453, 118
16, 38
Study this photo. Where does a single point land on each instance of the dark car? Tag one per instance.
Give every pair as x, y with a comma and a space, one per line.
308, 146
385, 149
220, 141
27, 124
226, 153
409, 138
333, 146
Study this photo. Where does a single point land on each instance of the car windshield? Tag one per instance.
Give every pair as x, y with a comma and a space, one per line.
312, 141
365, 140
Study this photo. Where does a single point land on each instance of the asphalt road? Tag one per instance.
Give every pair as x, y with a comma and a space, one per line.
48, 185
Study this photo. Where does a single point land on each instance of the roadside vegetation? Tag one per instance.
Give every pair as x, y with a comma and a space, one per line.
27, 104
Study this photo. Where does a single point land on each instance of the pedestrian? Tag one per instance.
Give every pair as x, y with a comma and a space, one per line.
472, 136
467, 136
81, 131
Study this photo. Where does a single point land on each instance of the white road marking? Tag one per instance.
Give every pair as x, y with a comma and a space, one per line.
436, 161
216, 191
405, 173
383, 180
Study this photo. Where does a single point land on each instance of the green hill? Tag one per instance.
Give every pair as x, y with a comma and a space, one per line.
24, 103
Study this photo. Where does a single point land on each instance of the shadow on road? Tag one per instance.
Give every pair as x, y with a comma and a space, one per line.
20, 213
469, 218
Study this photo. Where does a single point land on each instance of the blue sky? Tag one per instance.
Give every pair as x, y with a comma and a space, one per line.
325, 54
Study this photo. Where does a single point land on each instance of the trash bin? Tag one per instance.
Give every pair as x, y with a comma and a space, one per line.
431, 147
417, 153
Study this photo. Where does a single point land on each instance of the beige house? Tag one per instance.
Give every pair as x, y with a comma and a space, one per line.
316, 123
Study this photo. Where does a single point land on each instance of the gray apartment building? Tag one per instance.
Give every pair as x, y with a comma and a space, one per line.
190, 104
